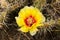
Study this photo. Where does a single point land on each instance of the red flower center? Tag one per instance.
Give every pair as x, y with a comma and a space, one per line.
30, 21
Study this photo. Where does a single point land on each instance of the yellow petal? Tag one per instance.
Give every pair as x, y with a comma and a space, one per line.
25, 12
33, 31
19, 21
38, 25
24, 29
39, 17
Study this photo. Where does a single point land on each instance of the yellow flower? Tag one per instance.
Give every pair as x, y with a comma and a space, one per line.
29, 18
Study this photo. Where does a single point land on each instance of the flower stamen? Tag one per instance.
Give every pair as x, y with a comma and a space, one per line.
29, 21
